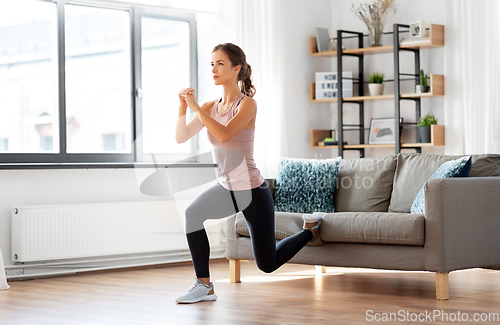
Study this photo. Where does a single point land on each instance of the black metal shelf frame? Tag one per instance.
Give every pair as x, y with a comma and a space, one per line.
361, 105
397, 88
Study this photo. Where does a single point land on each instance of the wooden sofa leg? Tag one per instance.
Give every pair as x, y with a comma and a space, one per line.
320, 269
234, 271
442, 289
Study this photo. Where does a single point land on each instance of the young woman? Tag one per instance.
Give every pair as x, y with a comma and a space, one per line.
230, 122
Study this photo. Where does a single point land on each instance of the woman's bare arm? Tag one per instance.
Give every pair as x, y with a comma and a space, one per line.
246, 112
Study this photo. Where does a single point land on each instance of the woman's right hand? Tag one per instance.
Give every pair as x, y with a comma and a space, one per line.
182, 102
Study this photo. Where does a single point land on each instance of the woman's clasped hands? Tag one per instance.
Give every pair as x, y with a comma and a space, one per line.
188, 96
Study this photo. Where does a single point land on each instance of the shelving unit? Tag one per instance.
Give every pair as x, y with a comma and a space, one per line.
436, 39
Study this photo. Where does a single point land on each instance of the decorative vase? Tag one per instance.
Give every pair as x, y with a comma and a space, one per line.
423, 134
376, 89
375, 35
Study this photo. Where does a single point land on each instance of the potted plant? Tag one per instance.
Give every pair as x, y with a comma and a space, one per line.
376, 86
424, 128
423, 87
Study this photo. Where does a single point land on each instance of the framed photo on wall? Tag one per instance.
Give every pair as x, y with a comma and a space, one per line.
382, 131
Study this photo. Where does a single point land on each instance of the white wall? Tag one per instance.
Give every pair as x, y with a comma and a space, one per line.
215, 25
301, 18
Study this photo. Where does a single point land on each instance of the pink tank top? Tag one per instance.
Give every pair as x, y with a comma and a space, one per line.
236, 167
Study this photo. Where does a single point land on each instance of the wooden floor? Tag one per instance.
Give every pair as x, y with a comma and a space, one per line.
294, 294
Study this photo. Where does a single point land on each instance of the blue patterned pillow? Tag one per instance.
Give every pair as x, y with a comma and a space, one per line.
455, 168
306, 185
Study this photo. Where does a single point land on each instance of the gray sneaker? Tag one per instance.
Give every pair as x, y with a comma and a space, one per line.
198, 292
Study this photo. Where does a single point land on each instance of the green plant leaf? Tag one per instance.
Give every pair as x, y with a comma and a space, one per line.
376, 78
427, 120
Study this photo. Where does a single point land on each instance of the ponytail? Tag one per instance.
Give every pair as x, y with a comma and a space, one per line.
246, 81
238, 57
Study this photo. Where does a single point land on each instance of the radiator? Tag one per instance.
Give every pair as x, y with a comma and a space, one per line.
41, 233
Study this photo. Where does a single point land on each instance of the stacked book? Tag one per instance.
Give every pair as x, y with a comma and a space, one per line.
326, 85
329, 142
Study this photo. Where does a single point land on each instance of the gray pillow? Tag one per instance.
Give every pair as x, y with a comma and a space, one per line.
365, 185
412, 171
485, 165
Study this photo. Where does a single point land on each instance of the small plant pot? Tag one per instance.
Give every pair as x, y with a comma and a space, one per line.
376, 89
421, 89
423, 134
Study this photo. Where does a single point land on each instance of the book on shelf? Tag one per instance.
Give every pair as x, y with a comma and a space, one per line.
329, 143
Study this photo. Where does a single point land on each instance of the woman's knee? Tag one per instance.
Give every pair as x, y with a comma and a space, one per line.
266, 267
194, 219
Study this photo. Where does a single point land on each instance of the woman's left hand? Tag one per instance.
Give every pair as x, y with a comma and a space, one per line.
189, 95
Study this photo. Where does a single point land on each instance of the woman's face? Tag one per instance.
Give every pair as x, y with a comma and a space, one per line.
222, 68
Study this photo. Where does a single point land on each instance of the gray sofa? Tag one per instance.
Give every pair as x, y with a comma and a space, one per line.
372, 226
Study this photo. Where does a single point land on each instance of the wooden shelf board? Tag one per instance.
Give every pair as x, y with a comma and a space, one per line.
436, 39
370, 50
418, 95
325, 53
324, 100
437, 89
367, 146
437, 139
363, 146
363, 98
324, 147
413, 145
375, 50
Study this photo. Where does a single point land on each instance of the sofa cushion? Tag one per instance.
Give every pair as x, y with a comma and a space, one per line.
456, 168
365, 185
374, 228
306, 185
412, 171
351, 227
286, 225
485, 165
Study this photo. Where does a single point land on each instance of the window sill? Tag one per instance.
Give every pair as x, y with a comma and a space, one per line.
112, 165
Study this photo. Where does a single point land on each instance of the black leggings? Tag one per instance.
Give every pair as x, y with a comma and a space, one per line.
218, 202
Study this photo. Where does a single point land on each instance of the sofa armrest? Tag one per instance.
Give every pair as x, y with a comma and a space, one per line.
462, 220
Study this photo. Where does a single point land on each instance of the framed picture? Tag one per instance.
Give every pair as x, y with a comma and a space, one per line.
322, 39
417, 29
382, 131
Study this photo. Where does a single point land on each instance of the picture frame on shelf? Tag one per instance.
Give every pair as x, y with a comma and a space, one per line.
382, 131
322, 39
417, 29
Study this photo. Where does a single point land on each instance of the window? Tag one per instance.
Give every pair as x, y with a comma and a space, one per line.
28, 75
165, 61
98, 78
91, 82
